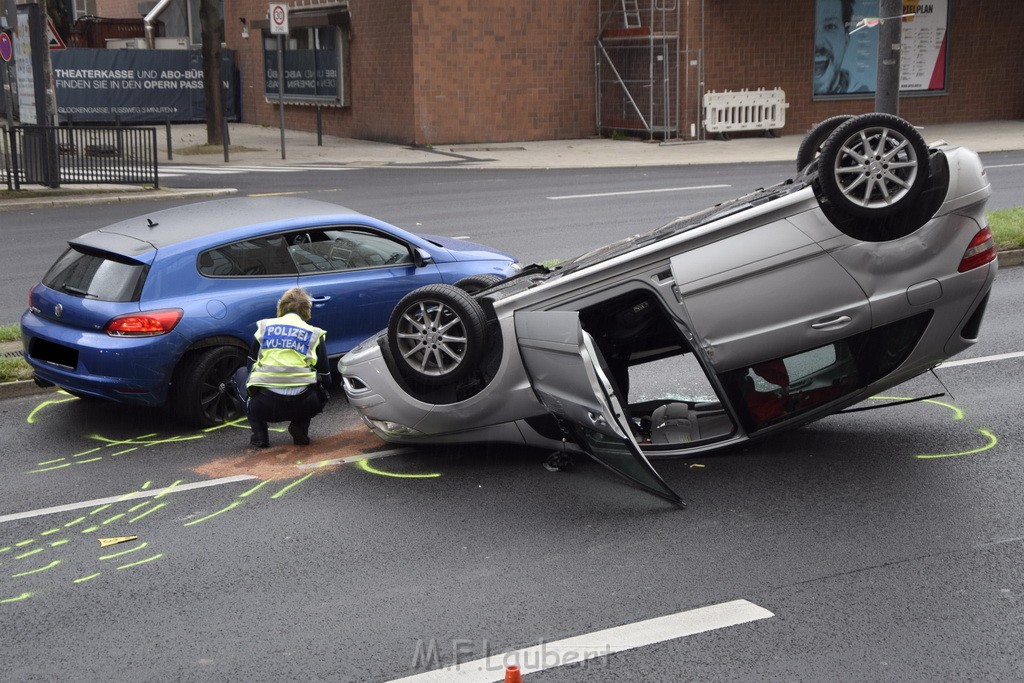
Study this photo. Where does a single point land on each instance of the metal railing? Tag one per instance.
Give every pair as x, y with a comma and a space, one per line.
66, 155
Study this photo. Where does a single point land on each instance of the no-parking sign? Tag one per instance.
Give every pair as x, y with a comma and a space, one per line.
6, 49
278, 18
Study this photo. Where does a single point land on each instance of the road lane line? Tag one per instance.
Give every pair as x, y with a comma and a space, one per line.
597, 644
983, 359
1003, 166
155, 493
629, 192
354, 458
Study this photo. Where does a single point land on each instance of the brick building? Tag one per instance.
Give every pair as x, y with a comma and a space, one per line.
447, 71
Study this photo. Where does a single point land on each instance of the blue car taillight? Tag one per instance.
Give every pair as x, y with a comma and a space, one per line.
144, 324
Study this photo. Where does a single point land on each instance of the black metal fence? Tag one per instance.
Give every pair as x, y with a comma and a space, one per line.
65, 155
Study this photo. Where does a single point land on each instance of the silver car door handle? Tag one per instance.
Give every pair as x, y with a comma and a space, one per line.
837, 321
597, 419
321, 299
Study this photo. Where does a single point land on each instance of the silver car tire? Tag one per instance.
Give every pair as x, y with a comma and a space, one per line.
810, 146
873, 166
436, 335
474, 283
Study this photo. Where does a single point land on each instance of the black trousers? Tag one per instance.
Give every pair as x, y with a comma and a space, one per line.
266, 406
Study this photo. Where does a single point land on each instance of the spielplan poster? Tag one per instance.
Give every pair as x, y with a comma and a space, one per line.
846, 46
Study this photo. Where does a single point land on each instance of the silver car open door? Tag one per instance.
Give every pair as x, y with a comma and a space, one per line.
568, 375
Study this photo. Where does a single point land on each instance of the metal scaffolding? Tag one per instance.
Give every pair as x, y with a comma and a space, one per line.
636, 61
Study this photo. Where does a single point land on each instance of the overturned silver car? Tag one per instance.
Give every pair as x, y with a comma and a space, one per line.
760, 314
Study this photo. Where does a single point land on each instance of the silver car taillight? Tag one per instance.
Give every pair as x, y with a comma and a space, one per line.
980, 251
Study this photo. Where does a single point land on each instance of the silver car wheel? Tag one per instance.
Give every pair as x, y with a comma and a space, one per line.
876, 167
432, 338
873, 166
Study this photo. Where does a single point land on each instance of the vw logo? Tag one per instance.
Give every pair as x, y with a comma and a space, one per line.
57, 310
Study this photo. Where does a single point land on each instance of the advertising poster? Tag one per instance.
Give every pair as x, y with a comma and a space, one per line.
846, 47
137, 86
23, 70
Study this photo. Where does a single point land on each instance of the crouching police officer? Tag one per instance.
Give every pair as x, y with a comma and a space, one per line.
288, 373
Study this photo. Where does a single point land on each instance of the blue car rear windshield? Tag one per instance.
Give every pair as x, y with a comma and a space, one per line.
93, 275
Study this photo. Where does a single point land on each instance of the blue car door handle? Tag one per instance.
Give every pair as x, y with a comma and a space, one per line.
831, 323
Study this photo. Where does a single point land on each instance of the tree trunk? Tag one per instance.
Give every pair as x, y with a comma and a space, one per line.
213, 36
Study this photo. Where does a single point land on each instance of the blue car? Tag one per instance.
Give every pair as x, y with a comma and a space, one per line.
161, 309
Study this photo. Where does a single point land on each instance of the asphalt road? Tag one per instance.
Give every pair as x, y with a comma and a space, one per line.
886, 545
877, 563
536, 215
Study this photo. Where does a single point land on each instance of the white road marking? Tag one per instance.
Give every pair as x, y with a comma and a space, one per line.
1004, 166
135, 495
983, 359
352, 458
628, 192
597, 644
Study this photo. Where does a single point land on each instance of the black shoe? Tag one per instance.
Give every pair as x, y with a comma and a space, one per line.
300, 435
259, 441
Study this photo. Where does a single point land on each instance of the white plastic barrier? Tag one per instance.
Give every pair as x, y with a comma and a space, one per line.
729, 111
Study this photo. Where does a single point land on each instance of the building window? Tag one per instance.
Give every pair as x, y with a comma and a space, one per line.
313, 65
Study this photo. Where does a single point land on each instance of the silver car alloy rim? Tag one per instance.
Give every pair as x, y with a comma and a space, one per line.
432, 338
876, 167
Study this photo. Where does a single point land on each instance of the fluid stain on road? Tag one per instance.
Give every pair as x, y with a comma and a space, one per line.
280, 461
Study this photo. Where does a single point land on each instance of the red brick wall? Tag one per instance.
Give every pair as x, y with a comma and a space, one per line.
770, 43
380, 73
495, 70
444, 71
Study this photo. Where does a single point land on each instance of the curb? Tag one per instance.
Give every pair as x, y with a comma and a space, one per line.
26, 387
74, 199
1013, 257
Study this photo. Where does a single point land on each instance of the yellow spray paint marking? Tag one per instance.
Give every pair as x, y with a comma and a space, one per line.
151, 510
49, 532
4, 550
86, 578
25, 542
91, 529
23, 596
74, 522
31, 419
136, 564
36, 571
147, 485
60, 542
125, 552
82, 462
210, 516
365, 466
50, 469
992, 441
166, 490
139, 506
30, 552
114, 518
254, 489
50, 462
91, 450
958, 414
114, 540
101, 508
240, 422
291, 486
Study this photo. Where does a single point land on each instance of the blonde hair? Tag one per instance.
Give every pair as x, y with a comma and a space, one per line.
295, 300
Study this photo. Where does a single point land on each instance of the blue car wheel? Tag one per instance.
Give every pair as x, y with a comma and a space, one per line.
201, 393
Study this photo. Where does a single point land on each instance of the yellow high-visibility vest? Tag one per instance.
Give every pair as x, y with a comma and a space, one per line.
287, 355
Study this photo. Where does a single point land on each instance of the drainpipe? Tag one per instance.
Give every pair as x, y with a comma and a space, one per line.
151, 17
